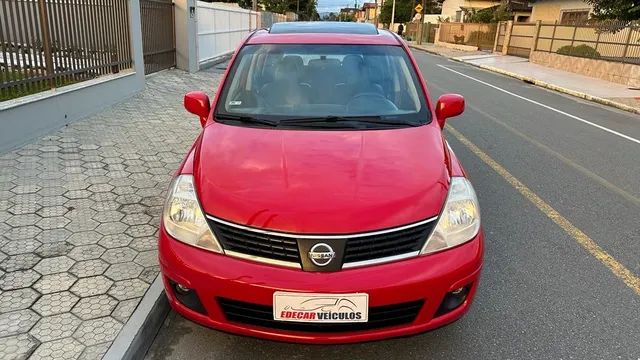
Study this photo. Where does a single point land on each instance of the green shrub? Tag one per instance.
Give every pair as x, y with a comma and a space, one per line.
480, 16
580, 50
458, 39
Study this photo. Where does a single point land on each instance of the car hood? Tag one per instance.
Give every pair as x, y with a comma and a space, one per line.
323, 182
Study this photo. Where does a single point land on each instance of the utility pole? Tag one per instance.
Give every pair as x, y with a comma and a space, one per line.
393, 15
421, 22
375, 14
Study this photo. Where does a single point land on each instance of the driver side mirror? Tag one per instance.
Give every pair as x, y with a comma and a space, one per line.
197, 103
449, 105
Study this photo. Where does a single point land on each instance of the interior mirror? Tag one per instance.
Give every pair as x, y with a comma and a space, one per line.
197, 103
449, 105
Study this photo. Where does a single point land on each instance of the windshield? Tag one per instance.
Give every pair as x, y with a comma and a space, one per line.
282, 83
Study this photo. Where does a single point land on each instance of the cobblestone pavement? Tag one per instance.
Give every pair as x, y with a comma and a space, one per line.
79, 211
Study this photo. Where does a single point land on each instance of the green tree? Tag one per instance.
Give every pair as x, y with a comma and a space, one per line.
348, 18
330, 17
432, 7
493, 14
308, 8
403, 13
623, 10
404, 10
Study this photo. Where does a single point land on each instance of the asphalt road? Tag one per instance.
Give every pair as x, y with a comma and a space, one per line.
558, 181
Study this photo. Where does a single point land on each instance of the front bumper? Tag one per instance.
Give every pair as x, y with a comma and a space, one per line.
427, 278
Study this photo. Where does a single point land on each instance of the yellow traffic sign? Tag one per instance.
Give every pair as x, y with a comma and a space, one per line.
418, 8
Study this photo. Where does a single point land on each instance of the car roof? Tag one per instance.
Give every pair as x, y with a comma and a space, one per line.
317, 32
324, 27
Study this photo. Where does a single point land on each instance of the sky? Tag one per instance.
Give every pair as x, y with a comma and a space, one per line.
335, 5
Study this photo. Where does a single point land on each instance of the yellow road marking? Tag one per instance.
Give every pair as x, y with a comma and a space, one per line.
619, 270
600, 180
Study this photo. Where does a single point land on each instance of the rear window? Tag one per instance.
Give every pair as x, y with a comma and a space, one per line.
280, 81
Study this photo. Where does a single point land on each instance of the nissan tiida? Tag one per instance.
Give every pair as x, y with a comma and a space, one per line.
321, 203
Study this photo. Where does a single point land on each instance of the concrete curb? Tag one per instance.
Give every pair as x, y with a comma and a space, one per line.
413, 46
544, 84
138, 333
215, 61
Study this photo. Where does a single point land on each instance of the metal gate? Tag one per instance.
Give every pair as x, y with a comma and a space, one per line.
502, 30
158, 35
485, 37
521, 39
429, 34
474, 34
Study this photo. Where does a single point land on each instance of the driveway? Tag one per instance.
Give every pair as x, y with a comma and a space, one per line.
558, 181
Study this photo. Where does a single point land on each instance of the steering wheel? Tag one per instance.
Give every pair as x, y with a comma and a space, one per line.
365, 102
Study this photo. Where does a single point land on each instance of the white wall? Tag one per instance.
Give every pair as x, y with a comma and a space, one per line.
431, 18
220, 28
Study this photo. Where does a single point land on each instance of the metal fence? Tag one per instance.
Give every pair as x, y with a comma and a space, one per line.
158, 34
500, 36
411, 31
428, 32
45, 44
480, 35
611, 41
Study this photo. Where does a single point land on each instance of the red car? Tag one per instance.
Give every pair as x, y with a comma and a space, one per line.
321, 203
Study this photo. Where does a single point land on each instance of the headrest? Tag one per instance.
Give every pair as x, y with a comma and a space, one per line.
352, 63
289, 67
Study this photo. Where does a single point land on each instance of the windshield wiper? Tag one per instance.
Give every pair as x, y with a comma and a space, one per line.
376, 119
246, 119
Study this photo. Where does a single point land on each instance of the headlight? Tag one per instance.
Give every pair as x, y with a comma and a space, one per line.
183, 217
460, 218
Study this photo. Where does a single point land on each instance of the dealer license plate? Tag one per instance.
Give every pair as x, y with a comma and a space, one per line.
320, 308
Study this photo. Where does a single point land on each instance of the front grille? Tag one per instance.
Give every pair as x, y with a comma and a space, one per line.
261, 315
388, 244
256, 243
380, 244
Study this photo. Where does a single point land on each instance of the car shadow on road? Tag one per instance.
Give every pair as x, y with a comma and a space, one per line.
182, 339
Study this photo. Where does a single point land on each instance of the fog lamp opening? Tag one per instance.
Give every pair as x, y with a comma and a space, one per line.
181, 289
187, 297
453, 299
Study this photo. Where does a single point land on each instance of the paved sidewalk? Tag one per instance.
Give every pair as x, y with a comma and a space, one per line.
585, 87
79, 211
446, 52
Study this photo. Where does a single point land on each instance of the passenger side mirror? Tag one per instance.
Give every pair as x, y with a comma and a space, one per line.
449, 105
197, 103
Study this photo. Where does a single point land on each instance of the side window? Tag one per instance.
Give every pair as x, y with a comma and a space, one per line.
574, 17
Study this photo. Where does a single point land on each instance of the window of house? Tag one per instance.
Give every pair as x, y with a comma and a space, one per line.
573, 17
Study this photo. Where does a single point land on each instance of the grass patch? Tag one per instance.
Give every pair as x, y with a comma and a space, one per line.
27, 89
